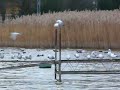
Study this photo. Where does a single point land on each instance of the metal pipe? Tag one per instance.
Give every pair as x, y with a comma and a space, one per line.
55, 52
60, 55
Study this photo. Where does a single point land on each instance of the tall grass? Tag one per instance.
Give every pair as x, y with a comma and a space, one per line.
84, 29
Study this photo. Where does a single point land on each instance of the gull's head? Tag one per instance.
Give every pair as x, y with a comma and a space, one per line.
56, 26
109, 50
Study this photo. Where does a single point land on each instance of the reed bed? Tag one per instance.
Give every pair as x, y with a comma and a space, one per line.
83, 29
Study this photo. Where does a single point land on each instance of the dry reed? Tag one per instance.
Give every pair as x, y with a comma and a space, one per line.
84, 29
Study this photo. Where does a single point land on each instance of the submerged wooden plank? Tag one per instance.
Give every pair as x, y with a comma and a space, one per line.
23, 61
19, 66
90, 72
90, 60
63, 61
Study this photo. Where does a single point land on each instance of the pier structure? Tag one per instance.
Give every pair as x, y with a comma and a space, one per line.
92, 66
84, 66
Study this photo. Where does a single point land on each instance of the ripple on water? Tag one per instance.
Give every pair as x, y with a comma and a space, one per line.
34, 78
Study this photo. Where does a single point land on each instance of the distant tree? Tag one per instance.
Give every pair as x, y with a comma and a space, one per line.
108, 4
13, 12
3, 9
62, 5
26, 7
3, 12
116, 3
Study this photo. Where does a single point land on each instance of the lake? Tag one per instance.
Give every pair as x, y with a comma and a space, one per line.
35, 78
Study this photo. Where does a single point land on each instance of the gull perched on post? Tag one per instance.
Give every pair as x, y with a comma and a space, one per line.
60, 22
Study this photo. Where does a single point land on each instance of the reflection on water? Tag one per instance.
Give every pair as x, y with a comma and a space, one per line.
34, 78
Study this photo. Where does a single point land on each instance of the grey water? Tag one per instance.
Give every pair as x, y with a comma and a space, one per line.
35, 78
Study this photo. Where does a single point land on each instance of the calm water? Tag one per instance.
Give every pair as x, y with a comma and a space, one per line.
34, 78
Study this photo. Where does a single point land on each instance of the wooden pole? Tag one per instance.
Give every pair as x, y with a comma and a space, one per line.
60, 55
55, 52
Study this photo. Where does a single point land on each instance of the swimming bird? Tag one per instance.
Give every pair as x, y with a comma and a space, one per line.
19, 56
24, 52
77, 55
2, 50
51, 57
113, 55
1, 56
55, 50
80, 51
93, 54
68, 57
88, 56
13, 57
100, 56
28, 57
109, 52
39, 55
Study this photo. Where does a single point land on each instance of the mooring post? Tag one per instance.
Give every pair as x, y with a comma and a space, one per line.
60, 55
55, 52
58, 25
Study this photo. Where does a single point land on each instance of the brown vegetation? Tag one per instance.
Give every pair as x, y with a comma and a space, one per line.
85, 29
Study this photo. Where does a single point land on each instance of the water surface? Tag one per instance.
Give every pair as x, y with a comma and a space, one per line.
34, 78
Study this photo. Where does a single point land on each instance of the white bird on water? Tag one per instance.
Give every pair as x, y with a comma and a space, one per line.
28, 57
88, 56
68, 57
19, 56
51, 57
1, 55
77, 55
111, 54
80, 51
13, 57
100, 56
93, 54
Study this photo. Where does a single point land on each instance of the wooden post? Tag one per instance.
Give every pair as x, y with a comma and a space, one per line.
58, 26
55, 52
60, 55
